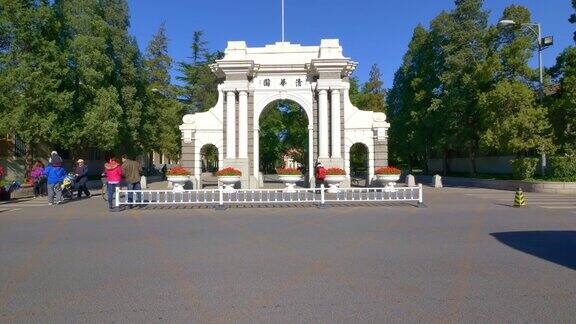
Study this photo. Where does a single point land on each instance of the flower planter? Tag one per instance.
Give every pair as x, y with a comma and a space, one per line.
179, 179
229, 182
390, 179
334, 182
290, 181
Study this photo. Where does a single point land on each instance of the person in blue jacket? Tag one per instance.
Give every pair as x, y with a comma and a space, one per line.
55, 174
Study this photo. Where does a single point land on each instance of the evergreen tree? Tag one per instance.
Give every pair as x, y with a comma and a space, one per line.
110, 105
372, 96
410, 100
128, 77
32, 67
167, 110
200, 90
96, 116
464, 50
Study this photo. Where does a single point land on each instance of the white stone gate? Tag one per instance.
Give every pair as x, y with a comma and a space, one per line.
315, 77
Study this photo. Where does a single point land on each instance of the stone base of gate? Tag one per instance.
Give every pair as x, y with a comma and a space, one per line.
244, 166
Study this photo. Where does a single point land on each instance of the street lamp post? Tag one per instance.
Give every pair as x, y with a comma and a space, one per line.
542, 43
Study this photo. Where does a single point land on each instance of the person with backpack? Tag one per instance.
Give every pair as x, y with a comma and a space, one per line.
55, 174
131, 172
113, 172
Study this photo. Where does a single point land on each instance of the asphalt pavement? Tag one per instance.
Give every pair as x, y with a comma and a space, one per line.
467, 257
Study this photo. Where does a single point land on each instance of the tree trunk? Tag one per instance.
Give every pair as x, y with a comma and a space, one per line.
28, 160
445, 162
426, 159
472, 159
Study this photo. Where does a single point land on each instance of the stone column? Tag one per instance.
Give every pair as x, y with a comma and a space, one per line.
230, 125
243, 125
336, 134
256, 157
323, 124
310, 155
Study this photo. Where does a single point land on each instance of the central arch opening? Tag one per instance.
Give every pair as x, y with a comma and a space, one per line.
283, 141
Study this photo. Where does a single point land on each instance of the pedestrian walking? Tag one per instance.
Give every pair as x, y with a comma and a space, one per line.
113, 172
131, 172
38, 179
81, 173
55, 174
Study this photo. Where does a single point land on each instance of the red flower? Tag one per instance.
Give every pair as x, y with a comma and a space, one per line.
178, 170
388, 170
227, 172
335, 171
2, 171
289, 171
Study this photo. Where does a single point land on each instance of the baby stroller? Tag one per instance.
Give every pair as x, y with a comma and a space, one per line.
67, 186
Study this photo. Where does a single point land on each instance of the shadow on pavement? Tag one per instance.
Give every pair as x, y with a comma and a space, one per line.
553, 246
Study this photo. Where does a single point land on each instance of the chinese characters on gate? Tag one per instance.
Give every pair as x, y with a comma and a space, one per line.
283, 82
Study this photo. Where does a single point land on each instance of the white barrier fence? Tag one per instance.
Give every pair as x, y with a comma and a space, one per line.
221, 198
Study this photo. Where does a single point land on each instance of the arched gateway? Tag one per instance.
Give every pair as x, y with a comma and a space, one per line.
315, 77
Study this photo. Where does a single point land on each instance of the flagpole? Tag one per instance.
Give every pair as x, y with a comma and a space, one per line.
282, 20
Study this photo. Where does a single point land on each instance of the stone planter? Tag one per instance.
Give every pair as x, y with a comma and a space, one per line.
390, 179
290, 181
179, 179
229, 182
334, 182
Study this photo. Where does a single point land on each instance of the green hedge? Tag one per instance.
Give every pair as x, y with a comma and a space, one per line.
524, 168
562, 168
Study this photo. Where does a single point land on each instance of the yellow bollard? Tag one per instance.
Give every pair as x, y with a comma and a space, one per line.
519, 200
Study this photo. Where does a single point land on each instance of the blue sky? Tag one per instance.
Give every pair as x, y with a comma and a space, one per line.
370, 31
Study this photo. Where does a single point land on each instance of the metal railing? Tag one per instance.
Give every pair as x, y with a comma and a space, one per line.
311, 196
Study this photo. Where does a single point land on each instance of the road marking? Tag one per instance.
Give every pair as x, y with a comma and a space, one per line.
23, 205
557, 207
7, 210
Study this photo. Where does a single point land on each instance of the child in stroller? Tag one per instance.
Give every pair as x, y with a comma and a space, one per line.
67, 186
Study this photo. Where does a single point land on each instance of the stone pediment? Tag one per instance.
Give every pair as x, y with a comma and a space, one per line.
241, 61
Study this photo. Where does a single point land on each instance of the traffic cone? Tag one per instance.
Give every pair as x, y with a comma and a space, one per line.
519, 198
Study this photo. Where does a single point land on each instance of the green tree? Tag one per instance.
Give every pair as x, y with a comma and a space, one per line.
96, 115
372, 95
464, 51
32, 67
166, 110
410, 100
510, 118
110, 109
200, 89
563, 102
128, 77
516, 123
283, 130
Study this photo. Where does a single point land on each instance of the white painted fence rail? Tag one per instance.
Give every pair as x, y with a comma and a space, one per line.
313, 196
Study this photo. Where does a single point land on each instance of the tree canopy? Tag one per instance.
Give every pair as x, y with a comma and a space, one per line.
465, 88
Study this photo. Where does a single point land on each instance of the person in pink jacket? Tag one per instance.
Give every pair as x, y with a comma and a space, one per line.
113, 172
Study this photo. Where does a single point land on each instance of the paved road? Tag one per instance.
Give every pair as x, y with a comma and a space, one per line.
462, 259
542, 200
